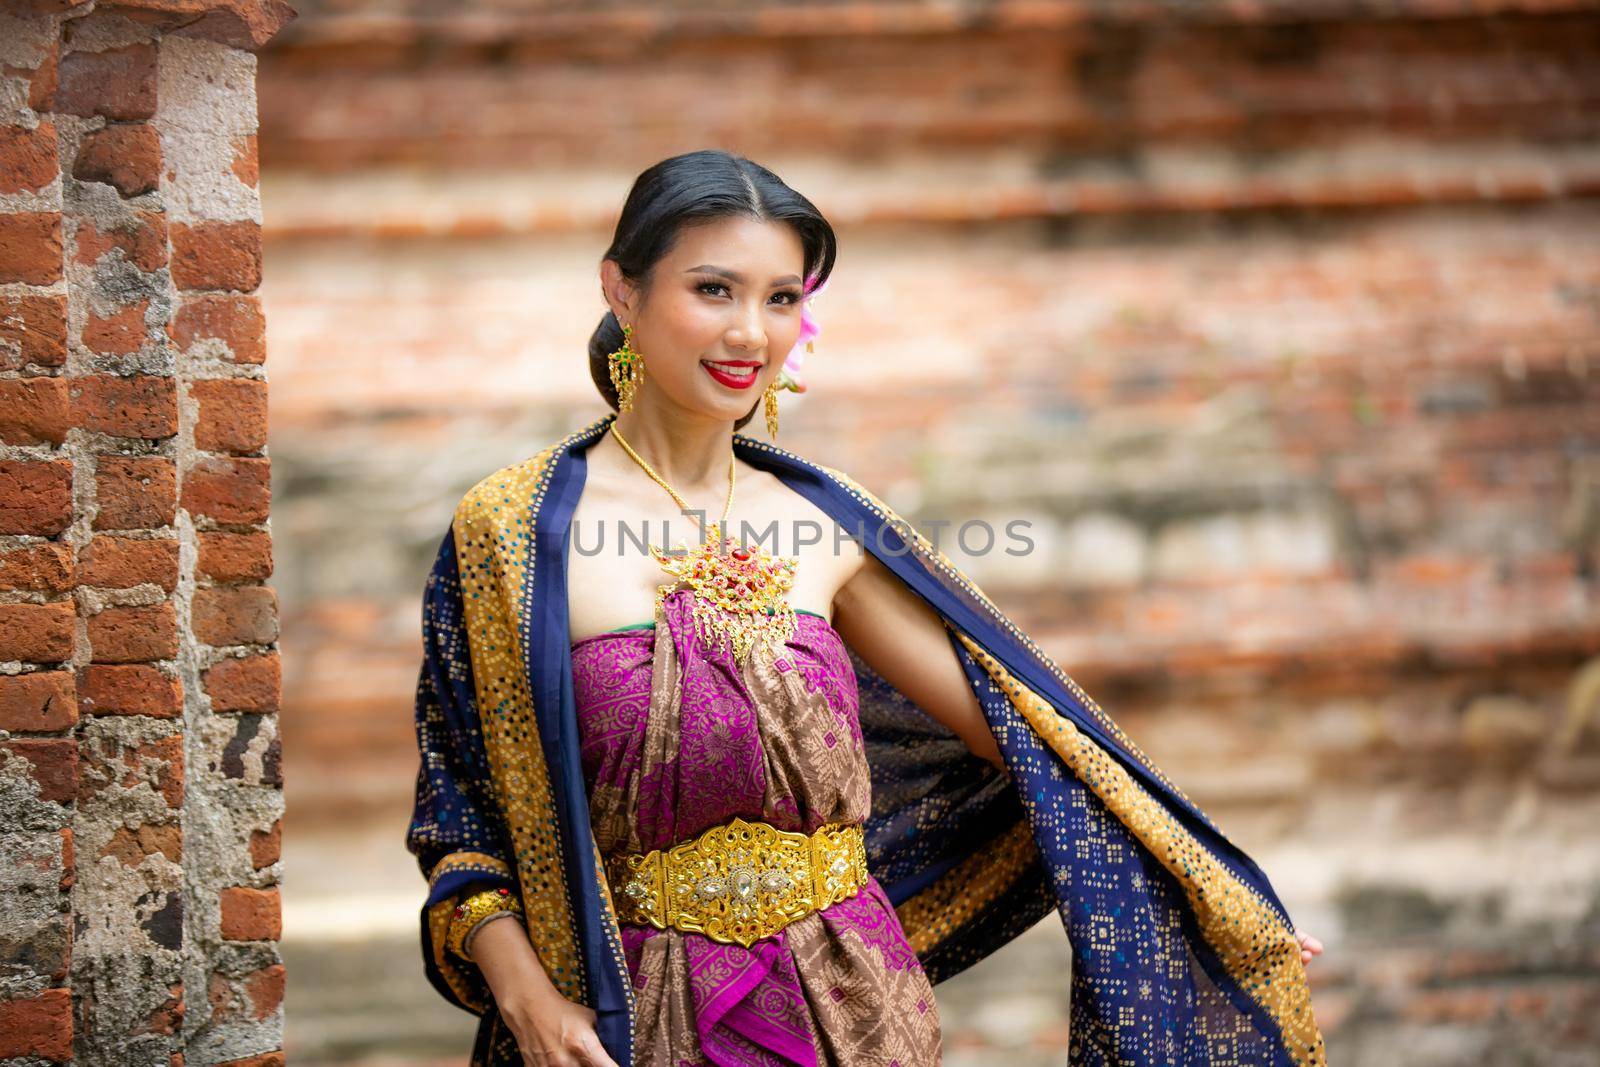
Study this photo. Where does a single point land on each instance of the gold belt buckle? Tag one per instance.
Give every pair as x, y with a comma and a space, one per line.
740, 881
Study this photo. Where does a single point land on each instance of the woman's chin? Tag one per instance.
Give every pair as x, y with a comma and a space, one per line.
723, 403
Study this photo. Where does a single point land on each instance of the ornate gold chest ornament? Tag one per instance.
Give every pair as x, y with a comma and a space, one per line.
740, 881
740, 591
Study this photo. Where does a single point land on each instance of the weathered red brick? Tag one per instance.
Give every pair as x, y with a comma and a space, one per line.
131, 846
142, 236
69, 868
266, 846
228, 615
27, 158
143, 405
127, 156
264, 989
118, 83
41, 702
135, 492
54, 762
30, 247
246, 165
134, 634
236, 490
45, 567
222, 999
251, 914
42, 83
34, 411
35, 496
243, 26
112, 764
121, 333
233, 415
122, 562
37, 1026
129, 689
236, 321
167, 753
217, 255
246, 683
33, 330
37, 633
168, 1019
235, 557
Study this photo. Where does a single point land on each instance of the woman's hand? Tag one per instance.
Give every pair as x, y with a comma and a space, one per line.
551, 1031
1309, 947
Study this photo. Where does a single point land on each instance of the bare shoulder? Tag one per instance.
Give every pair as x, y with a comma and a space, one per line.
763, 496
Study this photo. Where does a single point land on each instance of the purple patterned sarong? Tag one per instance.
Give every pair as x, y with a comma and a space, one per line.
676, 739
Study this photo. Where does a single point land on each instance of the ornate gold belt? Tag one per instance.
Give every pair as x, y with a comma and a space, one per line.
740, 881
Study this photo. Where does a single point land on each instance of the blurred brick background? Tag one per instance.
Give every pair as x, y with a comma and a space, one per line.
1278, 321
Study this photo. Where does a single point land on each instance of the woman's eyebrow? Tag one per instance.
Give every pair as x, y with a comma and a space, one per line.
736, 277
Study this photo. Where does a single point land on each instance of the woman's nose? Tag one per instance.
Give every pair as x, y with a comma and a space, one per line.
747, 332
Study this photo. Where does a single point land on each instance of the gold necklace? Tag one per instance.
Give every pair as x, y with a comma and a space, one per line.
739, 592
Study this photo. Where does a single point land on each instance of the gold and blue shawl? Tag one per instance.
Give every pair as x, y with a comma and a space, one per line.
1181, 951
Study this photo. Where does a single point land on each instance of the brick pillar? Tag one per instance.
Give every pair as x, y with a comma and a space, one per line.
140, 791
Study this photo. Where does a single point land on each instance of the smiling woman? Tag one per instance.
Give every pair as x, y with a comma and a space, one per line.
760, 824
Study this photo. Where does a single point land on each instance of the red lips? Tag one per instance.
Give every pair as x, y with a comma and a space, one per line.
733, 381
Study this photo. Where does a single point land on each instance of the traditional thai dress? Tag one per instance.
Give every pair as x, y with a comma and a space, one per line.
539, 759
676, 738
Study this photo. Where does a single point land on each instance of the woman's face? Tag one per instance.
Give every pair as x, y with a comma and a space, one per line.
720, 316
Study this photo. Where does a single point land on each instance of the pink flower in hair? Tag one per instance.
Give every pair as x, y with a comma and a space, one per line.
789, 377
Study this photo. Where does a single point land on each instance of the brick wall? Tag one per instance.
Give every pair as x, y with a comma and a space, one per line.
140, 786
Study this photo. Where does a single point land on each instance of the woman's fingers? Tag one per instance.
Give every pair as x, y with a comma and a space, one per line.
1309, 947
595, 1053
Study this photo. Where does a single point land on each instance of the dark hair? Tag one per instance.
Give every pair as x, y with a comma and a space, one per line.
685, 190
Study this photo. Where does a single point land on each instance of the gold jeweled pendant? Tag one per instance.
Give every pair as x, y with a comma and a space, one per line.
739, 591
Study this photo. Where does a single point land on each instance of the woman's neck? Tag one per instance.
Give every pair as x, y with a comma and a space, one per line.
690, 454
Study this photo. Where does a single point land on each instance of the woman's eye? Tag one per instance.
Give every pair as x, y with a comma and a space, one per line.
790, 297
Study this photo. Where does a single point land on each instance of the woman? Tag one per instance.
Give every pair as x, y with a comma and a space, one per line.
828, 773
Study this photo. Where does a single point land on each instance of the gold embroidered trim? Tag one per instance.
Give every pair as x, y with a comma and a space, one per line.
494, 525
477, 862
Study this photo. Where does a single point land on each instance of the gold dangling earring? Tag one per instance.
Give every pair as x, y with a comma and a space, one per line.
771, 404
626, 365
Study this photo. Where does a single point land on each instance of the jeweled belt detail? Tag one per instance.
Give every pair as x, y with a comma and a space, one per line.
739, 881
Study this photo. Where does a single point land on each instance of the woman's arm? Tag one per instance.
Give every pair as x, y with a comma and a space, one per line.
547, 1025
902, 638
